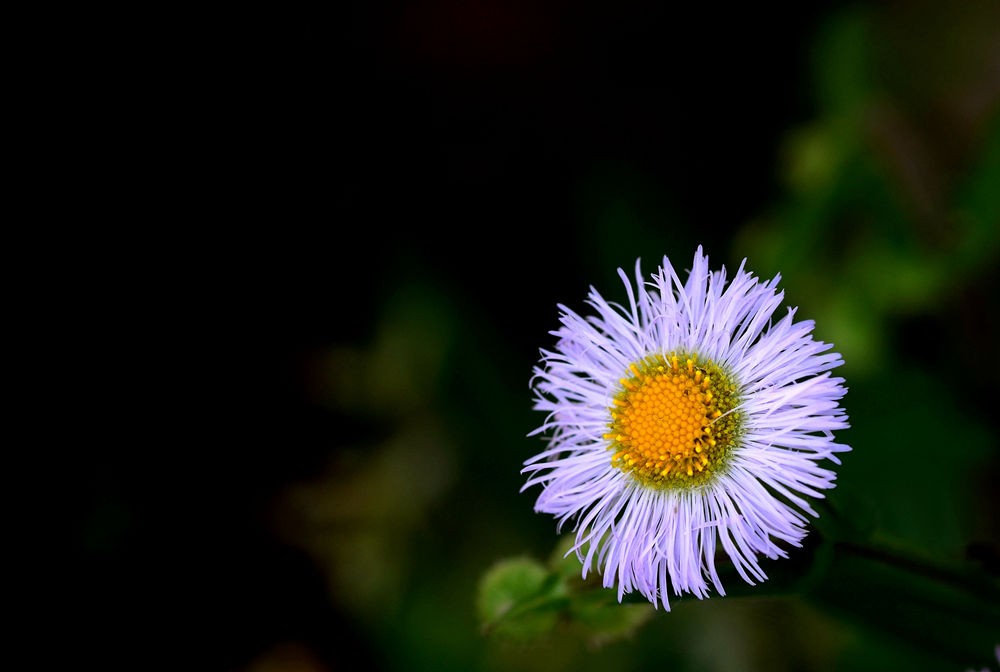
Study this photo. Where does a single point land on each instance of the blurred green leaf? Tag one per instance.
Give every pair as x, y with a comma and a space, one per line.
812, 156
523, 599
593, 609
518, 597
604, 619
842, 61
977, 207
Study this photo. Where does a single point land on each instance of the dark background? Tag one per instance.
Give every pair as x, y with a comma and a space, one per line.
381, 206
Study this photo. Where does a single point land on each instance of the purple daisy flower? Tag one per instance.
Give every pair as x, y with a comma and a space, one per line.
687, 421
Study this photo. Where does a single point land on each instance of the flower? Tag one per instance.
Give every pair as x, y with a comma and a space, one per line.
685, 421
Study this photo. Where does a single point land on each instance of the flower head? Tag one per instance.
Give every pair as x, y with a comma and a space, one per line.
686, 421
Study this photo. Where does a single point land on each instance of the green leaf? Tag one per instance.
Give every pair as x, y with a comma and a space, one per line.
564, 563
519, 598
842, 61
977, 208
604, 620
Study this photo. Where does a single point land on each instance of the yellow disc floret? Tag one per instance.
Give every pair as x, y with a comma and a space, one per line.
674, 421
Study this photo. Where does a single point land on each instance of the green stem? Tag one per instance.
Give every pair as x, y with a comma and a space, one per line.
972, 579
952, 611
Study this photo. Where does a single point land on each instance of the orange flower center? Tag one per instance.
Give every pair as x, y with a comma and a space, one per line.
674, 422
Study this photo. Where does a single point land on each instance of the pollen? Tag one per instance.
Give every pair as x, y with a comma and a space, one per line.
674, 421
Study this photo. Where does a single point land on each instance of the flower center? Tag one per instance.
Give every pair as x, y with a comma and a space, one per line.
674, 423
